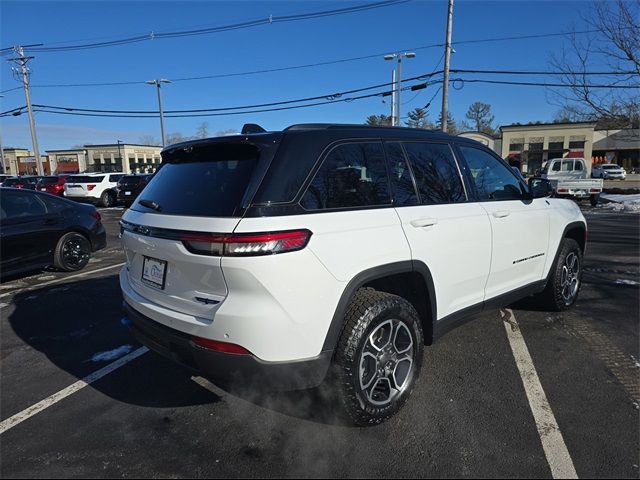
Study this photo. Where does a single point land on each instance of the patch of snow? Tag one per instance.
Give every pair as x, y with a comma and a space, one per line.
620, 203
626, 282
3, 305
112, 354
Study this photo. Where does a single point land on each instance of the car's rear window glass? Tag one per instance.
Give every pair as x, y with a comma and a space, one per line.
115, 178
49, 180
352, 175
205, 181
130, 181
85, 179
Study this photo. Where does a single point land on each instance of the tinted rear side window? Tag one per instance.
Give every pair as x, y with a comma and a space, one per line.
352, 175
404, 192
15, 205
85, 179
207, 181
436, 173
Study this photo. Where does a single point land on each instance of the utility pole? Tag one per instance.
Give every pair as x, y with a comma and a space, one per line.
157, 83
21, 61
445, 78
393, 98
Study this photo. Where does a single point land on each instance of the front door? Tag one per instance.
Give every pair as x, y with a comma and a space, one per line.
519, 225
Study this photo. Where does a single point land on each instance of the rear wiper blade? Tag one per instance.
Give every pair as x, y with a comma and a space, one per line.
150, 204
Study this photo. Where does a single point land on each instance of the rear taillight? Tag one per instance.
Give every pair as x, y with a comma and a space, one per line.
91, 187
97, 216
594, 190
246, 244
58, 187
222, 347
563, 190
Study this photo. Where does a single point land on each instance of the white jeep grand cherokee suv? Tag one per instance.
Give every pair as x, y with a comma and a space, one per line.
329, 252
97, 188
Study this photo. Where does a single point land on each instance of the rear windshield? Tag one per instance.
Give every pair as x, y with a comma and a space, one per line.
49, 180
206, 181
85, 179
130, 180
611, 167
12, 181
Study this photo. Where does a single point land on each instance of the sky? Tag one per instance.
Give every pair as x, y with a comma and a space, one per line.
400, 27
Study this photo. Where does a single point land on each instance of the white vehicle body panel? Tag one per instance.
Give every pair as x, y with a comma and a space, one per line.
520, 243
438, 237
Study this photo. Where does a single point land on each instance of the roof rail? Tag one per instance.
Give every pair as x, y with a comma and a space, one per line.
326, 126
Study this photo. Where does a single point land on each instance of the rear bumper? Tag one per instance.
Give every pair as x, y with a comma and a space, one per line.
236, 370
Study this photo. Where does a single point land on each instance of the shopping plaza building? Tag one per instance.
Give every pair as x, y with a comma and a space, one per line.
529, 146
118, 157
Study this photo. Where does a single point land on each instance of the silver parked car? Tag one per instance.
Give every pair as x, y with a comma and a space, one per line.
609, 171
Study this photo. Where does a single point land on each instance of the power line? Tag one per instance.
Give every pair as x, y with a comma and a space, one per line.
271, 19
540, 84
329, 96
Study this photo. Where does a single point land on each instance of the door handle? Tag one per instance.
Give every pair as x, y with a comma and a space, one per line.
501, 213
424, 222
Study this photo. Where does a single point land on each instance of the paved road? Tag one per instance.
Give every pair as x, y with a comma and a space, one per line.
469, 416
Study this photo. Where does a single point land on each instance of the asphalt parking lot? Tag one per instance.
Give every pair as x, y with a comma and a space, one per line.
471, 414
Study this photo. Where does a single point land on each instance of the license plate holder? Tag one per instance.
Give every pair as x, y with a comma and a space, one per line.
154, 272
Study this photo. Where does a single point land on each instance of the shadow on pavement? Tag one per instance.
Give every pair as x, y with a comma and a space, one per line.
72, 322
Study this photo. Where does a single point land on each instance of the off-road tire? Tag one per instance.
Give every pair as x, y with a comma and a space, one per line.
72, 252
552, 297
368, 310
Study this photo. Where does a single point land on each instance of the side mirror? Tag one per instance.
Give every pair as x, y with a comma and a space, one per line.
540, 187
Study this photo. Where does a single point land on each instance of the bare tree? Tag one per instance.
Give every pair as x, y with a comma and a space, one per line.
148, 140
203, 130
615, 44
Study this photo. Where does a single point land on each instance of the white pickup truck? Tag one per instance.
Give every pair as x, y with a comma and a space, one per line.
569, 179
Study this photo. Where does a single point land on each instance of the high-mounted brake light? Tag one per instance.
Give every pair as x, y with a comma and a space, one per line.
222, 347
246, 244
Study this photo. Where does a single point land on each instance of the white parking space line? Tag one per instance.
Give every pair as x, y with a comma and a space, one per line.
553, 444
59, 280
80, 384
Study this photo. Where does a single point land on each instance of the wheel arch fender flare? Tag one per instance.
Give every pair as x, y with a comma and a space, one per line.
377, 273
576, 230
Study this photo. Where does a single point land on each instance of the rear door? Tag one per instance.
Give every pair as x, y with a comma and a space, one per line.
519, 226
194, 197
446, 231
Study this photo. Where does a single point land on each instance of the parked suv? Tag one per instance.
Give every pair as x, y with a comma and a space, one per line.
281, 257
52, 184
93, 187
130, 186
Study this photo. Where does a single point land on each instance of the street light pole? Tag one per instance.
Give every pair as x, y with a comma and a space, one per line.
393, 98
157, 83
445, 78
398, 56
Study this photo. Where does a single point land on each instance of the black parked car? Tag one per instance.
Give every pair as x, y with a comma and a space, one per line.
130, 186
28, 182
39, 230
